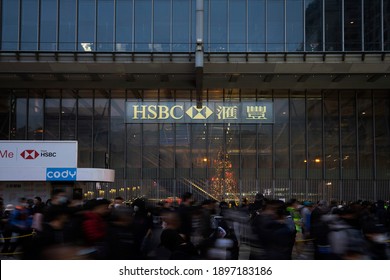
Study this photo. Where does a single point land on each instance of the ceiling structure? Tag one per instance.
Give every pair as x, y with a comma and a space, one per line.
297, 71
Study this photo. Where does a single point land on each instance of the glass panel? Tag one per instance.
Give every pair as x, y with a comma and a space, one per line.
365, 134
117, 132
386, 24
124, 25
162, 26
256, 25
248, 151
52, 115
150, 151
232, 161
275, 25
143, 25
134, 151
183, 150
9, 25
68, 116
19, 115
206, 24
265, 151
29, 25
372, 25
167, 150
84, 127
67, 36
100, 130
348, 134
352, 25
237, 26
218, 25
199, 143
86, 25
281, 137
48, 25
314, 135
313, 18
5, 110
331, 135
298, 141
180, 26
333, 25
105, 25
294, 25
382, 134
35, 116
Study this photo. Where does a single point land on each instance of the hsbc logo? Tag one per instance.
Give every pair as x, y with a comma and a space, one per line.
29, 154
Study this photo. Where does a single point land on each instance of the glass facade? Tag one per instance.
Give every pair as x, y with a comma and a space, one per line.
323, 143
328, 140
169, 25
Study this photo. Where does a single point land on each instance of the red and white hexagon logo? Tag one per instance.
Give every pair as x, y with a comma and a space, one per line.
29, 154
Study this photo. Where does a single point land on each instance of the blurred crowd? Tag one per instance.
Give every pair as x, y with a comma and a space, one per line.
269, 229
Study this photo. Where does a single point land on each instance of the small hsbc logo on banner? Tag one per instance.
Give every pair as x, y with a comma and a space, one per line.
29, 154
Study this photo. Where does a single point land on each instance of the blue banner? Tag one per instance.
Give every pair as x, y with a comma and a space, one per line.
61, 174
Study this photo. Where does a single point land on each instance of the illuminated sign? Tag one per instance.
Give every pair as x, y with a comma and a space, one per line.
210, 112
61, 174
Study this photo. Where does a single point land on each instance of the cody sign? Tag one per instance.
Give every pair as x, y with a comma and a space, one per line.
38, 153
210, 112
61, 174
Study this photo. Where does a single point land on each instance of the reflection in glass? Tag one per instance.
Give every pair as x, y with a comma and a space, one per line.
134, 152
331, 135
35, 116
29, 25
237, 25
333, 25
203, 146
248, 151
162, 26
352, 25
365, 135
5, 110
264, 140
313, 18
100, 129
183, 150
294, 25
124, 25
48, 25
19, 119
105, 25
218, 25
348, 134
386, 24
84, 127
315, 158
299, 160
382, 134
281, 138
143, 25
68, 116
9, 24
256, 25
167, 150
372, 25
117, 132
52, 115
275, 25
150, 150
67, 36
180, 25
86, 25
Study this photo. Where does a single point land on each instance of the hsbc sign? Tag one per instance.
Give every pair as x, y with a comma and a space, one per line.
29, 154
38, 153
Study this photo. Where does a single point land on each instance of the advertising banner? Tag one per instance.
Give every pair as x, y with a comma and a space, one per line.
38, 154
